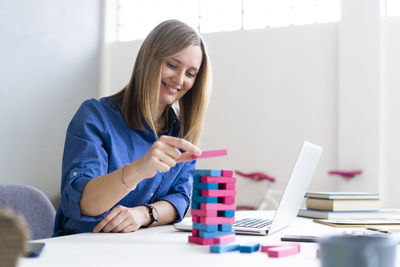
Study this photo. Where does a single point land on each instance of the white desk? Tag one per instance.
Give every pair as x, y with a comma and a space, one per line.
164, 246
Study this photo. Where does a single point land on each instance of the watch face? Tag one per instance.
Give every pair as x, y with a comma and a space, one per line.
155, 213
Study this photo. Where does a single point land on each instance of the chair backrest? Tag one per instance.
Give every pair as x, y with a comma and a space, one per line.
33, 205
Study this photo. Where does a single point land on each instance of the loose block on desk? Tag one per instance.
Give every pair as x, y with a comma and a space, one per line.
218, 179
224, 248
224, 239
218, 193
207, 173
265, 248
217, 220
205, 199
206, 186
205, 234
282, 251
249, 247
217, 206
227, 173
211, 154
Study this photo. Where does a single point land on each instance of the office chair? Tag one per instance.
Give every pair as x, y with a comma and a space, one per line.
33, 205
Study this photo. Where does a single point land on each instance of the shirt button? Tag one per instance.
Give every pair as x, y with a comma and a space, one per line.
151, 194
74, 173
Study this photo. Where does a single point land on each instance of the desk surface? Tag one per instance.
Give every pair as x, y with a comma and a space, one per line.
164, 246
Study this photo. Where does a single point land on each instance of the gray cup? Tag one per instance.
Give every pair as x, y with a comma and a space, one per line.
357, 251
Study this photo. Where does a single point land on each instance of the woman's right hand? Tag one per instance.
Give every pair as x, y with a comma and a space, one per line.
164, 154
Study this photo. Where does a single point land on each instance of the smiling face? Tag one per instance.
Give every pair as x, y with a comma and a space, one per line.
178, 75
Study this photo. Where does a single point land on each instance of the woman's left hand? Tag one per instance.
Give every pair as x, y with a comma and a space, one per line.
123, 220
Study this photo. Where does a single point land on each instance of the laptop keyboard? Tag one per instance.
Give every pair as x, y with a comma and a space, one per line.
252, 223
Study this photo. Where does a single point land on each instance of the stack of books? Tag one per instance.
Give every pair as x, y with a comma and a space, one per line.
344, 205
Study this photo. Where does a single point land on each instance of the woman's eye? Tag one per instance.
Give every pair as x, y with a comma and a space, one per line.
191, 75
172, 66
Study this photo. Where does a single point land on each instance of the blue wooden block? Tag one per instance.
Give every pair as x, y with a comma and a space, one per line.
196, 205
206, 234
205, 199
226, 213
206, 227
207, 173
224, 248
196, 179
205, 186
225, 227
196, 192
249, 247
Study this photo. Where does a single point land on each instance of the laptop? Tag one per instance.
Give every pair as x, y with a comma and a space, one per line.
291, 200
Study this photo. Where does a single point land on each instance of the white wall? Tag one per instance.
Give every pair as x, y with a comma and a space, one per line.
391, 111
273, 89
49, 60
332, 84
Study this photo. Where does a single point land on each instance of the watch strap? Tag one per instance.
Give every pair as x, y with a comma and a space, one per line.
151, 214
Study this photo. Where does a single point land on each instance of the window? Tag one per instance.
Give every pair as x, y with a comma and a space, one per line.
135, 18
393, 8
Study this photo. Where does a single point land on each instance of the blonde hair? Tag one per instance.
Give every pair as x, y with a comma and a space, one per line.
140, 97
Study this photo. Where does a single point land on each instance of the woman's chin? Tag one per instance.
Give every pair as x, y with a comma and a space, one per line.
167, 100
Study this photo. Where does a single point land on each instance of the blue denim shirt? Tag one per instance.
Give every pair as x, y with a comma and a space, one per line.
98, 141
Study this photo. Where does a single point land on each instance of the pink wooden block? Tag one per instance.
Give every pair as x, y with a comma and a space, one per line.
195, 232
226, 200
226, 173
217, 193
217, 220
265, 248
229, 186
211, 213
218, 179
196, 219
282, 251
217, 206
297, 245
211, 154
224, 239
201, 241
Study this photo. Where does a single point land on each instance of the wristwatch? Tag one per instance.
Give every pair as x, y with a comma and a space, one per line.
153, 212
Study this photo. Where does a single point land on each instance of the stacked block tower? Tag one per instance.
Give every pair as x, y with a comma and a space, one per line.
213, 207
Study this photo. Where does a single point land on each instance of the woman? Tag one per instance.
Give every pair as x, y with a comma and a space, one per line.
127, 159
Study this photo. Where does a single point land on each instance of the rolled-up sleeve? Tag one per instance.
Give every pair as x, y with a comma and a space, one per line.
85, 158
181, 190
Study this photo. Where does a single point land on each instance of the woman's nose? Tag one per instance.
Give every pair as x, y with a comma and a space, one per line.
179, 78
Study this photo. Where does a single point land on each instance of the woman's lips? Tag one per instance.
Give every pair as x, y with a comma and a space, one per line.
170, 89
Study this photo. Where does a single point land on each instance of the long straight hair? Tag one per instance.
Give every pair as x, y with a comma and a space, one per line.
140, 98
